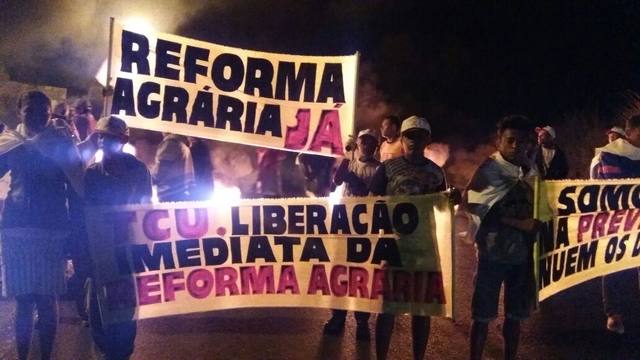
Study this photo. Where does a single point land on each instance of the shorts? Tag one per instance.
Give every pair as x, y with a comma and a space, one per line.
518, 291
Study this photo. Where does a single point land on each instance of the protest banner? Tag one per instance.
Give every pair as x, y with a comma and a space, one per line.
592, 229
375, 254
174, 84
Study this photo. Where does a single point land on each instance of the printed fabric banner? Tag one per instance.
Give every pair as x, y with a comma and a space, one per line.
375, 254
592, 230
174, 84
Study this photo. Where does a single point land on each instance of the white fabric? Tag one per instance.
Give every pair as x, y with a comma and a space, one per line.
620, 147
547, 156
492, 182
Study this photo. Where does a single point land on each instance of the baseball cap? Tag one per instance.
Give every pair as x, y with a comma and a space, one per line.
368, 132
113, 125
415, 122
551, 131
616, 129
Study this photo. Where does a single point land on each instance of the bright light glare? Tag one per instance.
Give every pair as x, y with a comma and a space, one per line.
336, 195
138, 24
225, 195
127, 148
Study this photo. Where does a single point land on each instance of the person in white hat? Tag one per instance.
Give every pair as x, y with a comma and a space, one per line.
356, 174
615, 133
118, 179
549, 158
410, 174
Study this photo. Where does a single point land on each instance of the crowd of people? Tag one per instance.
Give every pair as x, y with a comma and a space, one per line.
53, 179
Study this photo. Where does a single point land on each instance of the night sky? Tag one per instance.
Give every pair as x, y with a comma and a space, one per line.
460, 65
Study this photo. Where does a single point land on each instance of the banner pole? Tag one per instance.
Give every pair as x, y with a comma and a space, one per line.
355, 103
453, 260
107, 95
536, 244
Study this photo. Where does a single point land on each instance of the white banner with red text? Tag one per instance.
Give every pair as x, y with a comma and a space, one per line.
373, 254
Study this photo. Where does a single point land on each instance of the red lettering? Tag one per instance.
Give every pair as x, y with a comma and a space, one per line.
318, 281
146, 285
150, 225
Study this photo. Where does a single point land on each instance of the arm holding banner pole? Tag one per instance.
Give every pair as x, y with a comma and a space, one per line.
108, 90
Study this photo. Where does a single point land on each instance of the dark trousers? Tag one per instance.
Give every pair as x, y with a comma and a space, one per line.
116, 341
361, 317
614, 290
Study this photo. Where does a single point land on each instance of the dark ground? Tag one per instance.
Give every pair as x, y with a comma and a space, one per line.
567, 326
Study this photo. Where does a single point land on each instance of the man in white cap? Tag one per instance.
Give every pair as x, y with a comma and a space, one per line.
410, 174
356, 174
118, 179
549, 158
615, 133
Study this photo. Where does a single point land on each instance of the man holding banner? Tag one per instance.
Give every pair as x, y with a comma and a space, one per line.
118, 179
619, 159
499, 202
410, 174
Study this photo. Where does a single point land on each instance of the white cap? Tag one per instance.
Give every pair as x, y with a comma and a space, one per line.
415, 122
616, 129
368, 132
551, 131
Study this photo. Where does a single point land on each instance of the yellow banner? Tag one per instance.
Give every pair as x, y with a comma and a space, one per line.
174, 84
374, 254
592, 230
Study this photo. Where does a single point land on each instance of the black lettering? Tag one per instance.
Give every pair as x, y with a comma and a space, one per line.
314, 249
270, 121
202, 109
387, 249
148, 108
405, 218
340, 220
145, 260
380, 220
123, 97
236, 72
259, 76
588, 199
274, 222
359, 227
358, 249
564, 199
215, 250
164, 59
175, 103
188, 252
287, 243
296, 219
331, 84
287, 79
259, 248
229, 110
316, 215
137, 56
238, 228
191, 67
